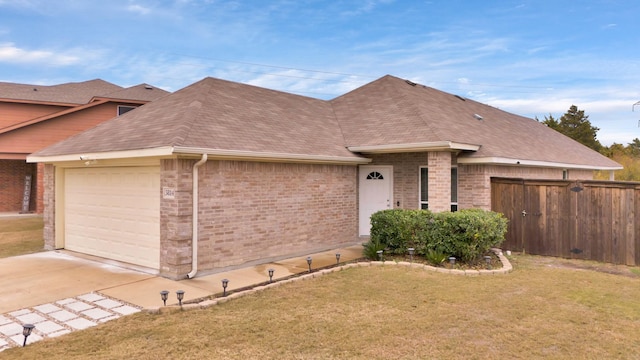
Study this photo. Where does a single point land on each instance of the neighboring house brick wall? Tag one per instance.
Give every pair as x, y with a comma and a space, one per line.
12, 177
251, 211
474, 181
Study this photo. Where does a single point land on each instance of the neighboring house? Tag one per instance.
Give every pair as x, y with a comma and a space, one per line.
275, 174
33, 117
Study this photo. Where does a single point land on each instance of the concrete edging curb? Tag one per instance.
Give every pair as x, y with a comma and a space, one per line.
506, 268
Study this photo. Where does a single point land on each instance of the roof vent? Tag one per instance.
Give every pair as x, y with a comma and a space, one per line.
35, 89
148, 87
478, 117
460, 97
411, 82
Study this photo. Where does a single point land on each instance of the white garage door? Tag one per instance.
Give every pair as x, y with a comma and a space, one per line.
114, 213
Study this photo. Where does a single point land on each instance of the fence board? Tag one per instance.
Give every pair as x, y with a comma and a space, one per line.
596, 220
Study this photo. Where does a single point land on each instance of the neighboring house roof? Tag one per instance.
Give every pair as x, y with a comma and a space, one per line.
69, 93
229, 119
142, 92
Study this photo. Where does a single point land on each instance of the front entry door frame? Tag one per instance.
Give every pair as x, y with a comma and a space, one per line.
375, 183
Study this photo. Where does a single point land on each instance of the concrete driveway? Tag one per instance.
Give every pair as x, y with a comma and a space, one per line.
40, 278
60, 292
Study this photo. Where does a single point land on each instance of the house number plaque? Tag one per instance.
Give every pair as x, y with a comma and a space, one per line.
168, 193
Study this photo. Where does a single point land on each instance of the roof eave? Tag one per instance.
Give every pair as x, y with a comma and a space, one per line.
533, 163
222, 154
219, 154
107, 155
415, 147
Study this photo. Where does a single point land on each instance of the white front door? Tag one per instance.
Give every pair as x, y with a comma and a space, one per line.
376, 193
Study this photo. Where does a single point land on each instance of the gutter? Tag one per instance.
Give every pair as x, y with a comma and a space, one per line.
194, 231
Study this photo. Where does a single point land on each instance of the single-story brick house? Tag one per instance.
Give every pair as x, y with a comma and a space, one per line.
251, 175
36, 116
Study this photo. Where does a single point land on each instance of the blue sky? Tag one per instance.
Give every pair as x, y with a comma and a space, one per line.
529, 57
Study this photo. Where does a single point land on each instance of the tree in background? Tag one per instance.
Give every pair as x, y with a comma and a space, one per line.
576, 125
627, 156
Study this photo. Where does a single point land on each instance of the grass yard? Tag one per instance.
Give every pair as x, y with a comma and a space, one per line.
546, 309
20, 236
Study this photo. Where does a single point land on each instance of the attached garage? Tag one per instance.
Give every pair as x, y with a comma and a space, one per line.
114, 212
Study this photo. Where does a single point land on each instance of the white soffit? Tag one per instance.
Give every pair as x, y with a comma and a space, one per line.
534, 163
414, 147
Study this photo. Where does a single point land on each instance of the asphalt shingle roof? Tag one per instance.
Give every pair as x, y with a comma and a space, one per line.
224, 115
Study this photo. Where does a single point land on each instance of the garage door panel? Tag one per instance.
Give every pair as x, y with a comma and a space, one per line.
114, 213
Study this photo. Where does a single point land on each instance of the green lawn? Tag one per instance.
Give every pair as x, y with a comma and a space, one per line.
20, 236
545, 309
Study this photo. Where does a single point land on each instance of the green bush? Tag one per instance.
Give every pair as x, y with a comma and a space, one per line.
399, 229
466, 234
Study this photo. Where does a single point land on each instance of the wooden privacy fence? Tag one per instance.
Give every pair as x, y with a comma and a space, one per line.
594, 220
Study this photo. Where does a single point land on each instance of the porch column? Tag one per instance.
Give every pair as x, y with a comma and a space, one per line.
439, 181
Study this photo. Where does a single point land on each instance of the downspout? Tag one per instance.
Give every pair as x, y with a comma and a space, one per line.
194, 231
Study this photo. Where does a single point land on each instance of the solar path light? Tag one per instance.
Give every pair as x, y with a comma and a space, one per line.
271, 271
225, 283
180, 294
309, 262
164, 295
337, 258
26, 331
411, 251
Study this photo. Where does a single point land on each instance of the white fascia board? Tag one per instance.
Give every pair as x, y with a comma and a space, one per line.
269, 156
414, 147
89, 156
534, 163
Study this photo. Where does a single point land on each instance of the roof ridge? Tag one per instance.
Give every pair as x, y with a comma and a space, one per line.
184, 129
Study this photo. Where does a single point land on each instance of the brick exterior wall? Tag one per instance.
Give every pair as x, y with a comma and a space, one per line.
254, 212
406, 172
474, 181
439, 181
49, 203
12, 175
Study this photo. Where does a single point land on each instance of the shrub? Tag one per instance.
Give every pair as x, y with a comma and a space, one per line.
466, 234
399, 229
436, 257
371, 248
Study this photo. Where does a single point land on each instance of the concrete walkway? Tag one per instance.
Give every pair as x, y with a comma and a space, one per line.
60, 293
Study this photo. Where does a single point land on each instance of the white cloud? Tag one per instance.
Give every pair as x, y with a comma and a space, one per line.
138, 9
11, 54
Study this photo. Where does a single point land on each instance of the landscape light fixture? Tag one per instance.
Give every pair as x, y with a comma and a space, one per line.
452, 261
411, 251
271, 275
26, 331
309, 262
225, 283
379, 252
487, 259
337, 258
164, 295
180, 294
